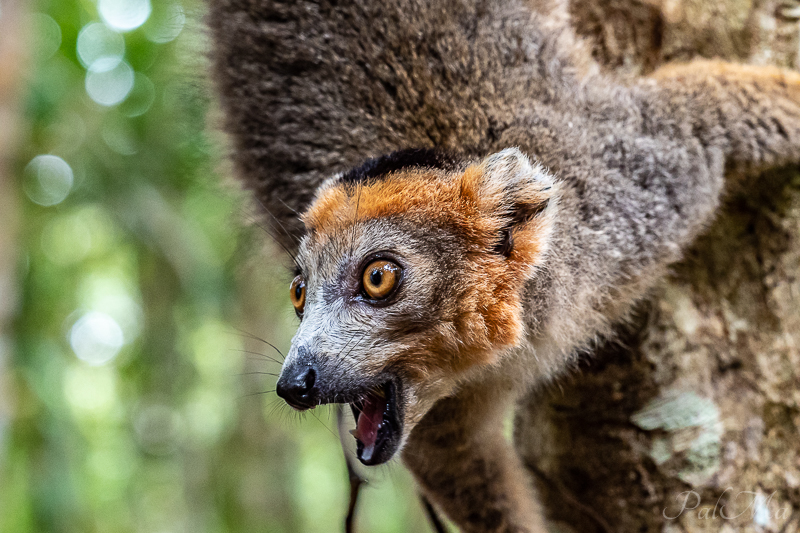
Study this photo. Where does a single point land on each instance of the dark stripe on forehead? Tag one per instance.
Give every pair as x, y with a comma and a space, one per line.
375, 169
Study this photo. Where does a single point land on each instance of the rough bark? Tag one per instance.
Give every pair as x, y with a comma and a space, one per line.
636, 36
690, 420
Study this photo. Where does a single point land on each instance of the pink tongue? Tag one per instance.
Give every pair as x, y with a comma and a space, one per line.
368, 423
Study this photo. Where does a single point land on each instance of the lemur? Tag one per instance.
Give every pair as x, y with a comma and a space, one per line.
470, 203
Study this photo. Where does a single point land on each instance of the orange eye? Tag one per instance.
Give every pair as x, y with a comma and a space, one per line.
297, 293
380, 279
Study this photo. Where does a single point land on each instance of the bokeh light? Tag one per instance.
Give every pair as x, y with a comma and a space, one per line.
141, 97
119, 137
110, 294
96, 338
124, 15
100, 48
47, 35
166, 22
48, 180
90, 391
66, 240
109, 88
136, 392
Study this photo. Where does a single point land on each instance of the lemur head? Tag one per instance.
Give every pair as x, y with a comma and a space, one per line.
409, 277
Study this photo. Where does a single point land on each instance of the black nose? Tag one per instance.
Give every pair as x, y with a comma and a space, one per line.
296, 386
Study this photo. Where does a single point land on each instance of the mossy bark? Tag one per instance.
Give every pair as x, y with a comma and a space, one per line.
690, 420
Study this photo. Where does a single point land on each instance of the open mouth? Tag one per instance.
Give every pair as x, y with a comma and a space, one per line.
378, 425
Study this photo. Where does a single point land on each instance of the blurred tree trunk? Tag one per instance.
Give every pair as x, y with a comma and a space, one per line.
690, 421
11, 55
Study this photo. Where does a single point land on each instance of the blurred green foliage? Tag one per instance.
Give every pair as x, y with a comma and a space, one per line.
140, 396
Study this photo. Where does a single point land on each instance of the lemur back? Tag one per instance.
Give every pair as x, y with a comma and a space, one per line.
553, 198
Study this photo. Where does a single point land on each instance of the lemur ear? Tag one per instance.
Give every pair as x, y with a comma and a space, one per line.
510, 181
508, 188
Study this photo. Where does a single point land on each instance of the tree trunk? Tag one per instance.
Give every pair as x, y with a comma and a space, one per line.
11, 55
690, 420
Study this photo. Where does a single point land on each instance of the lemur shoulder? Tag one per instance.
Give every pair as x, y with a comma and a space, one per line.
515, 202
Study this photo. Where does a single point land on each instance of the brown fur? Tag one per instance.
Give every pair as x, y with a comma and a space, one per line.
636, 171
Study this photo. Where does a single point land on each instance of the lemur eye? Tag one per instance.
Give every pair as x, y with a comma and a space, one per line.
297, 293
380, 279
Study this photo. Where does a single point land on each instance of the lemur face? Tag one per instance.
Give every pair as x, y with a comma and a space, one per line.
408, 279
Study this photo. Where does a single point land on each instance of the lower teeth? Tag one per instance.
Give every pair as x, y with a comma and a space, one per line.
366, 453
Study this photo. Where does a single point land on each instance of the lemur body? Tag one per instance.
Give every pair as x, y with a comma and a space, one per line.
435, 289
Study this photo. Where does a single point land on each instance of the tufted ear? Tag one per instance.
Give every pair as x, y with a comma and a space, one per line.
512, 190
510, 182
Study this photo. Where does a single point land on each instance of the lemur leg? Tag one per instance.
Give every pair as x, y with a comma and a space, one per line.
751, 113
463, 464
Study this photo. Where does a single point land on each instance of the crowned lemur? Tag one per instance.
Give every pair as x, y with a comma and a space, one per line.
469, 202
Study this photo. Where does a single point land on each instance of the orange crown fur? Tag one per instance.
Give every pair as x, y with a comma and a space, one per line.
478, 205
